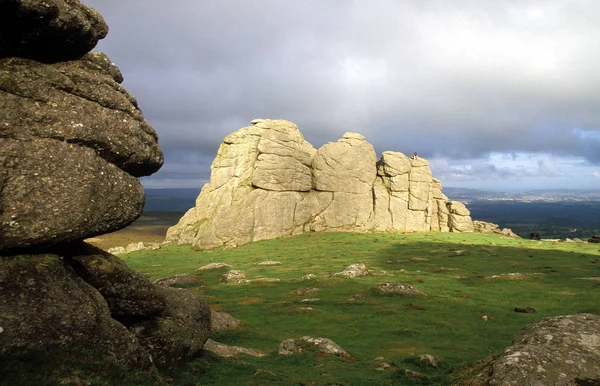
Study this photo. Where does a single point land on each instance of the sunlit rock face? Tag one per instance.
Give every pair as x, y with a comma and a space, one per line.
268, 182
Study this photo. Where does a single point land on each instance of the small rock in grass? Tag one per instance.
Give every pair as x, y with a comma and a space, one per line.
225, 351
428, 360
311, 300
288, 347
214, 266
234, 276
262, 280
220, 321
310, 276
326, 346
397, 288
182, 279
304, 291
269, 263
526, 310
353, 270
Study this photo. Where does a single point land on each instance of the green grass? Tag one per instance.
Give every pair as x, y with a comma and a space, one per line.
447, 323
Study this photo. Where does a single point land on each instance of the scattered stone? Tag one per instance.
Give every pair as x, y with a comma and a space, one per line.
428, 360
305, 308
226, 351
563, 350
385, 366
311, 300
444, 269
304, 291
418, 258
484, 318
516, 275
326, 346
353, 270
397, 288
289, 347
526, 310
594, 239
269, 263
220, 321
310, 276
234, 276
356, 297
412, 374
183, 279
214, 266
133, 247
597, 278
263, 280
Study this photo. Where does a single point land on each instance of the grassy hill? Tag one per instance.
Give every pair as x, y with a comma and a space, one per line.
464, 277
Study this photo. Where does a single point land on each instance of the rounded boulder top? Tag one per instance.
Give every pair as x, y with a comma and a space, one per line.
49, 31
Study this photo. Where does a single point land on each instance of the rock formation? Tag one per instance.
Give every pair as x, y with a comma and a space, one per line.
72, 142
268, 182
563, 350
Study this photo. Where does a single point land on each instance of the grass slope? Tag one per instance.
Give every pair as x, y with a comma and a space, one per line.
454, 270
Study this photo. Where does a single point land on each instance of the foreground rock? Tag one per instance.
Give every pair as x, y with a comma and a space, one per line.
49, 30
44, 304
268, 182
226, 351
564, 350
72, 142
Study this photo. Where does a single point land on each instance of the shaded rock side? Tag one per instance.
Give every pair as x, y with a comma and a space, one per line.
45, 305
268, 182
49, 30
72, 141
563, 350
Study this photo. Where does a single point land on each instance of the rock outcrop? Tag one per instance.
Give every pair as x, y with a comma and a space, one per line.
564, 350
72, 142
268, 182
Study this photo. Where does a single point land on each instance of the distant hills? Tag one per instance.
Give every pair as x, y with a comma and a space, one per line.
170, 200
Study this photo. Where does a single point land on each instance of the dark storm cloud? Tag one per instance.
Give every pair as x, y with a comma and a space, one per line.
456, 80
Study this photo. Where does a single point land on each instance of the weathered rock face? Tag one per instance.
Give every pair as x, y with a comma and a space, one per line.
44, 304
564, 350
49, 30
72, 142
268, 182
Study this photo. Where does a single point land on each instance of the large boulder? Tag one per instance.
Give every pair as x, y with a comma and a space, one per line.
346, 166
564, 350
268, 182
54, 192
72, 141
179, 332
49, 30
44, 304
129, 294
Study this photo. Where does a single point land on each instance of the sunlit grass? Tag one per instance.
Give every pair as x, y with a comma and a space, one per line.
464, 277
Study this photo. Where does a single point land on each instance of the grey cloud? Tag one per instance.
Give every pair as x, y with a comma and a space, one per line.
447, 79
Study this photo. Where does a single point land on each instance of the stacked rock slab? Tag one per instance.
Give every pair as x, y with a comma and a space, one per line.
72, 142
268, 182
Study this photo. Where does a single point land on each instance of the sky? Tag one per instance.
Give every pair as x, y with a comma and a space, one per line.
497, 94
